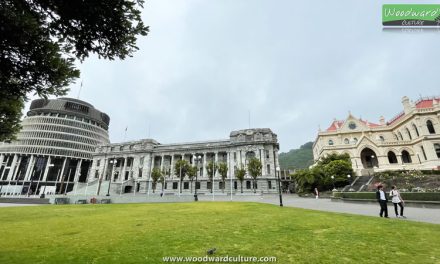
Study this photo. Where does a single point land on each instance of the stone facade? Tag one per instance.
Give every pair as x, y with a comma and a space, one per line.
54, 147
127, 166
410, 140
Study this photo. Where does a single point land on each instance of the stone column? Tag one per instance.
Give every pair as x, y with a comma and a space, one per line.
216, 163
204, 165
172, 165
263, 161
161, 163
124, 169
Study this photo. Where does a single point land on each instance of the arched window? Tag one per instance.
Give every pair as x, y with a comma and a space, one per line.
346, 141
423, 151
437, 149
415, 129
392, 157
381, 138
430, 126
330, 142
409, 133
355, 140
406, 158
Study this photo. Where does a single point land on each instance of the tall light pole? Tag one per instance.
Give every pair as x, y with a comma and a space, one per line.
279, 186
113, 162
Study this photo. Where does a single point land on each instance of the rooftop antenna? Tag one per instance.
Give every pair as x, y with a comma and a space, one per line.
79, 92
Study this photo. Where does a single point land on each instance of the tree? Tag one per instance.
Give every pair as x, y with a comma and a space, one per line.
181, 169
254, 169
223, 170
156, 174
192, 172
211, 168
239, 174
10, 113
42, 39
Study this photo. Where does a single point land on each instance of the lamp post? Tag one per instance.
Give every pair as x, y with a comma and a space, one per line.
279, 185
349, 178
333, 181
113, 162
198, 160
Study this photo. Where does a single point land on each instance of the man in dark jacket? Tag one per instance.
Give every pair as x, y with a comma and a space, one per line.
381, 197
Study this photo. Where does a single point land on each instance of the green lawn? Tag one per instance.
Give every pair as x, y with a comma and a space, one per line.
144, 233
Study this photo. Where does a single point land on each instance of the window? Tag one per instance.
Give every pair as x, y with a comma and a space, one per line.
235, 185
381, 138
423, 151
415, 129
267, 154
355, 140
346, 141
186, 185
209, 185
175, 185
235, 156
330, 142
248, 184
406, 158
430, 127
197, 185
268, 169
409, 134
437, 150
269, 184
392, 157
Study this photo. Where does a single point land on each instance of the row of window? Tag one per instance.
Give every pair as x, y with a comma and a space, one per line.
61, 136
71, 117
57, 143
406, 157
46, 151
398, 136
63, 122
55, 128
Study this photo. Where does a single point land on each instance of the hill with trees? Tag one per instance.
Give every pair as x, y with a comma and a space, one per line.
297, 158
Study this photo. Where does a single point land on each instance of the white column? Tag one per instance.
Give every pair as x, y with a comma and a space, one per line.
216, 162
46, 170
161, 163
263, 161
11, 168
204, 165
29, 168
172, 165
123, 169
77, 171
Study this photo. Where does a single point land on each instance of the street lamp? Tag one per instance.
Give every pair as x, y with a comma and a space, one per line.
333, 181
279, 185
198, 160
113, 162
349, 178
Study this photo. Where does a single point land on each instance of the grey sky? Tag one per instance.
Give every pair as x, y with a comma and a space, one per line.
294, 65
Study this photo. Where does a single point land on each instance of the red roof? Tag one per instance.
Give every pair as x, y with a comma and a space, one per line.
426, 103
335, 125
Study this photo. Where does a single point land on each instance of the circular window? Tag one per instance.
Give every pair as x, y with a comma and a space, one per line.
352, 125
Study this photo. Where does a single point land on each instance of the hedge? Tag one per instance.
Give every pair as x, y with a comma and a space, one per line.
410, 196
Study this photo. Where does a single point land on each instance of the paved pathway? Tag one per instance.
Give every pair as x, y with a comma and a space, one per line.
428, 215
16, 204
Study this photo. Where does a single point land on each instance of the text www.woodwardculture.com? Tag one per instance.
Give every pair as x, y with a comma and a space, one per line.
225, 259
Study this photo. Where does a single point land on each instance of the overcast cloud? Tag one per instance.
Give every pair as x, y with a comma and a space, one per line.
295, 65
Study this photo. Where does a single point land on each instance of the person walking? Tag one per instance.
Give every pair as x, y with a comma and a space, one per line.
381, 197
316, 193
396, 199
